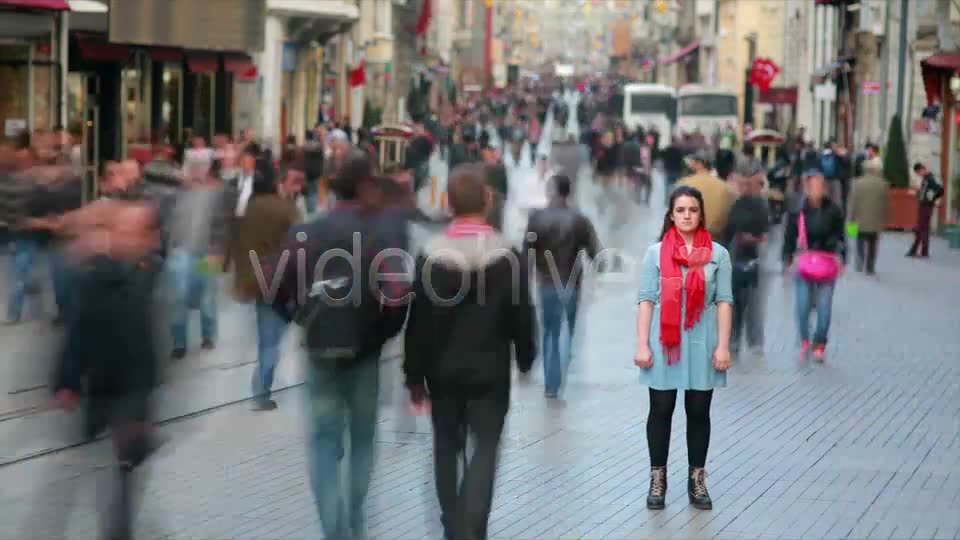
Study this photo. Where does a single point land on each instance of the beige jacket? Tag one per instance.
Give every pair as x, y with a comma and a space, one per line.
867, 204
717, 198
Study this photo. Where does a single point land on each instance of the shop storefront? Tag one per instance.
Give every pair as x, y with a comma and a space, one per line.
941, 81
304, 48
163, 80
778, 108
31, 65
125, 98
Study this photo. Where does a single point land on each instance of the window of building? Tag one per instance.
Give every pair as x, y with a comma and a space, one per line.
135, 102
203, 105
171, 106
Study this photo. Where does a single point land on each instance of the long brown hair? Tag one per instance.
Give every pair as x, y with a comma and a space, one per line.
683, 191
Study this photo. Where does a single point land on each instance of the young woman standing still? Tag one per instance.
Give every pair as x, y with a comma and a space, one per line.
683, 338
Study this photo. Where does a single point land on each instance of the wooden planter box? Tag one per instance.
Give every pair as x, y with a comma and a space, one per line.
901, 209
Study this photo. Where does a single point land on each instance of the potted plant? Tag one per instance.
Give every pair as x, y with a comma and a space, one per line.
902, 207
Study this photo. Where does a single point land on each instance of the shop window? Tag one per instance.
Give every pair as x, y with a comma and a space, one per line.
203, 110
76, 104
14, 98
28, 83
136, 102
171, 105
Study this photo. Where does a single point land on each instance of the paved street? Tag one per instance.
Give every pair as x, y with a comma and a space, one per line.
864, 446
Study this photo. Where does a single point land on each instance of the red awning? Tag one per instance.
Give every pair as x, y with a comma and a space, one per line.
166, 54
57, 5
100, 50
237, 63
202, 62
779, 96
679, 54
936, 69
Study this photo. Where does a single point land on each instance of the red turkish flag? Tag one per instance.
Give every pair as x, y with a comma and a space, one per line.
763, 72
358, 75
426, 13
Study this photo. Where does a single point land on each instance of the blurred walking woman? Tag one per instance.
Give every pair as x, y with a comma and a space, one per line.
683, 338
815, 248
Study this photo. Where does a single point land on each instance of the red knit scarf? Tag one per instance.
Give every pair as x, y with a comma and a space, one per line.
674, 255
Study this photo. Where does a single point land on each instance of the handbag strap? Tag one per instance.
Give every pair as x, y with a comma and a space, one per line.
802, 231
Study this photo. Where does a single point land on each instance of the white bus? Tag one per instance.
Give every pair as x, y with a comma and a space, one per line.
706, 109
650, 105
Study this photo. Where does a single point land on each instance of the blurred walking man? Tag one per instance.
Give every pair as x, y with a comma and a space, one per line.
344, 339
471, 308
564, 241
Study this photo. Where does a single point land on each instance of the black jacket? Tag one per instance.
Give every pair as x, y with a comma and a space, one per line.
930, 190
566, 236
826, 230
750, 215
497, 178
313, 161
322, 238
471, 307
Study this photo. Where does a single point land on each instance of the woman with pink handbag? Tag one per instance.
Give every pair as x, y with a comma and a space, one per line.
815, 249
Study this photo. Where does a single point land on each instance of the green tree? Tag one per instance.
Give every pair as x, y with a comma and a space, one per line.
895, 168
372, 116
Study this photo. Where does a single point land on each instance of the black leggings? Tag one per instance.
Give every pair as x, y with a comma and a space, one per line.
697, 405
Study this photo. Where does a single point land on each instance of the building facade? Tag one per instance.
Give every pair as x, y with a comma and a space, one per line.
34, 58
299, 71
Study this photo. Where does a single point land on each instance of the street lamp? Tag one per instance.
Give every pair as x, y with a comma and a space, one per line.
748, 89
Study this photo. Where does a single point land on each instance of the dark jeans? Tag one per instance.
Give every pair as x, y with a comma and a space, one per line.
466, 510
746, 286
130, 427
659, 422
867, 250
921, 233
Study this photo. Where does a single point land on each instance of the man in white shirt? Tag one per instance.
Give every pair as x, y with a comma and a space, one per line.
248, 170
198, 159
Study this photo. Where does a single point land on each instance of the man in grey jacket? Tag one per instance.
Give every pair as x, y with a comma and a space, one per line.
196, 241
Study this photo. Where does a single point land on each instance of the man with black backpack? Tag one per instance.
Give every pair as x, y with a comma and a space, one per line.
348, 295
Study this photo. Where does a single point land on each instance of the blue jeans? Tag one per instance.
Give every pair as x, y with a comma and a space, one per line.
192, 289
557, 303
25, 253
270, 329
821, 294
339, 398
311, 192
60, 274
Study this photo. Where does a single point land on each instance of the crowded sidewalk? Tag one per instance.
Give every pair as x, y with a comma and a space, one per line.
862, 446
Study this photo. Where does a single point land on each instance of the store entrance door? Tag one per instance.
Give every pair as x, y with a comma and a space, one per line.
83, 121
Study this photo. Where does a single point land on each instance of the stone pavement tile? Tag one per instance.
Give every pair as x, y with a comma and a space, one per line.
924, 532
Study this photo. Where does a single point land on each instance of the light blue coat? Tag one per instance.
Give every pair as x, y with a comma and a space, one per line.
695, 369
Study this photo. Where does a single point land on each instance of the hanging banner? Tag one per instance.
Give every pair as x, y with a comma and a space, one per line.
620, 30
